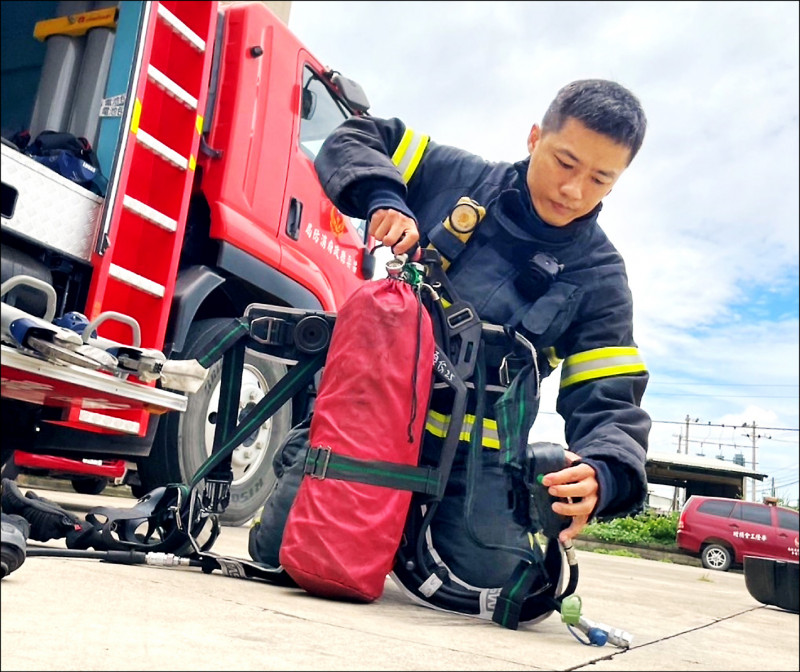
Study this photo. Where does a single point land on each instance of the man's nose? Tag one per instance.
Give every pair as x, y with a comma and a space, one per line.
572, 189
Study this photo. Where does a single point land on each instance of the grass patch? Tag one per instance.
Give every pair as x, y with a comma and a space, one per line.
644, 528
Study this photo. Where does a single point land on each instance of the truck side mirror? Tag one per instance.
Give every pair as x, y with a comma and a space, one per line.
351, 91
309, 104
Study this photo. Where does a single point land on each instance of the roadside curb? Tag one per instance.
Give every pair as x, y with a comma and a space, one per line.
646, 552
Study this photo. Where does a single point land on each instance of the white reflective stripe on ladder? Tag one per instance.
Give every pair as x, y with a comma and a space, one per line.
136, 280
101, 420
150, 214
161, 80
181, 28
162, 150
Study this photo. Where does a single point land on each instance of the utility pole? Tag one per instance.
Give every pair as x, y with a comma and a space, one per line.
687, 434
753, 480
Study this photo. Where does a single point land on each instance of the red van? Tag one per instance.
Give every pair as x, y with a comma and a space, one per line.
722, 531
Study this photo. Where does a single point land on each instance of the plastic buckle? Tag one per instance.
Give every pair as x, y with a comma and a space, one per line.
315, 467
460, 317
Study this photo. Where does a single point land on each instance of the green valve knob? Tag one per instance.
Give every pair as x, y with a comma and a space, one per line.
540, 478
571, 609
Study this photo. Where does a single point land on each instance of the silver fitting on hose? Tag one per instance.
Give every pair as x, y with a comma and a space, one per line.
569, 551
165, 559
394, 267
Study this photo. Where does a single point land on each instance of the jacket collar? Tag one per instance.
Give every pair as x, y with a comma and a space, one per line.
517, 206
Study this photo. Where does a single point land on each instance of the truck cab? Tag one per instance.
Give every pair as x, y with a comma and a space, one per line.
201, 122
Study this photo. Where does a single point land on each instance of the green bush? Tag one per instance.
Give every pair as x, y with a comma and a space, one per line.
644, 528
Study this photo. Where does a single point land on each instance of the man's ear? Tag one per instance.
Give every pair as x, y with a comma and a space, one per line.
533, 137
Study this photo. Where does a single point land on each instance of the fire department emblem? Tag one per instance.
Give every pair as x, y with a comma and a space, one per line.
337, 222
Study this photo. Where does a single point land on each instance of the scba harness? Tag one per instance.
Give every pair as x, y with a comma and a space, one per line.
479, 365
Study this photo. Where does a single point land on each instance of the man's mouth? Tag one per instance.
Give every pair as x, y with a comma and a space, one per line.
560, 209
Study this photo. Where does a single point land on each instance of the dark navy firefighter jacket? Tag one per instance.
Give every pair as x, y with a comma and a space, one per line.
583, 320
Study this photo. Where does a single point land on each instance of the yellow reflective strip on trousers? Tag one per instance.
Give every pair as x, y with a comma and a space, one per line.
438, 423
601, 363
409, 153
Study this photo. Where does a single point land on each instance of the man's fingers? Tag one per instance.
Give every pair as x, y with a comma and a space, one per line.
407, 240
575, 508
394, 229
572, 474
573, 530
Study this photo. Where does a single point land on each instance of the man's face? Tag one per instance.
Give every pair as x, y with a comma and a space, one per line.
572, 170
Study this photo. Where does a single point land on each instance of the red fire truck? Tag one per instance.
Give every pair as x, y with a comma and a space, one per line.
205, 120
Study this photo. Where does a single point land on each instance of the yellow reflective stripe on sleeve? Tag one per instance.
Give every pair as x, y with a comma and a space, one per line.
438, 423
601, 363
409, 153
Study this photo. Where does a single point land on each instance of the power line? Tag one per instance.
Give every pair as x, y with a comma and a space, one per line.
722, 396
710, 424
687, 384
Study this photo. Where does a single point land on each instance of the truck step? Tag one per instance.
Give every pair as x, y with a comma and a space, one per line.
158, 147
162, 81
150, 214
135, 280
109, 422
181, 28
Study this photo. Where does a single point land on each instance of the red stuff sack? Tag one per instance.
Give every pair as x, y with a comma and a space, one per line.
341, 536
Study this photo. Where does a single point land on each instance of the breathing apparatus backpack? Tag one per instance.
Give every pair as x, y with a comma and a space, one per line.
369, 501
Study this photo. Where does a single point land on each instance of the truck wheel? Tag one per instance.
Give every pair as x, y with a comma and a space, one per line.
717, 557
89, 485
184, 440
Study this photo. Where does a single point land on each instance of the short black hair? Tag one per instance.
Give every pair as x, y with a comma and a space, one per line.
602, 106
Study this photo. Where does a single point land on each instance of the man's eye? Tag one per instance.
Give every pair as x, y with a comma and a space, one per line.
563, 165
599, 182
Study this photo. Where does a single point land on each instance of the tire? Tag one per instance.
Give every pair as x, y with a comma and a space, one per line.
89, 485
184, 441
716, 557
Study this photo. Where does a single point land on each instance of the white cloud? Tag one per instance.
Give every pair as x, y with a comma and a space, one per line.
707, 215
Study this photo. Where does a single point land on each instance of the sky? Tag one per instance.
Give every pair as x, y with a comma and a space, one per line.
706, 216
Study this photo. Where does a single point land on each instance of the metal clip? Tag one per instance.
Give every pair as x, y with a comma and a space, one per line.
505, 379
273, 325
216, 495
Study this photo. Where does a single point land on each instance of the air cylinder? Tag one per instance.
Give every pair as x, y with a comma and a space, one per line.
91, 81
60, 70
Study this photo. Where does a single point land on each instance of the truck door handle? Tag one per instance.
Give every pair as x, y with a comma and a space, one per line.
293, 219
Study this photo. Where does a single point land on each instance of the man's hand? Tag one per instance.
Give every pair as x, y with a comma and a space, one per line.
394, 230
579, 483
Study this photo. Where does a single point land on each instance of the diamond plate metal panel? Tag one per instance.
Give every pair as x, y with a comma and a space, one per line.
49, 208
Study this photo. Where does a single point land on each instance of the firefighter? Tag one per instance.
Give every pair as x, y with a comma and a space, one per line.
537, 260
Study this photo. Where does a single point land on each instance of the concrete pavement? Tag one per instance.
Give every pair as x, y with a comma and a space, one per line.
81, 614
